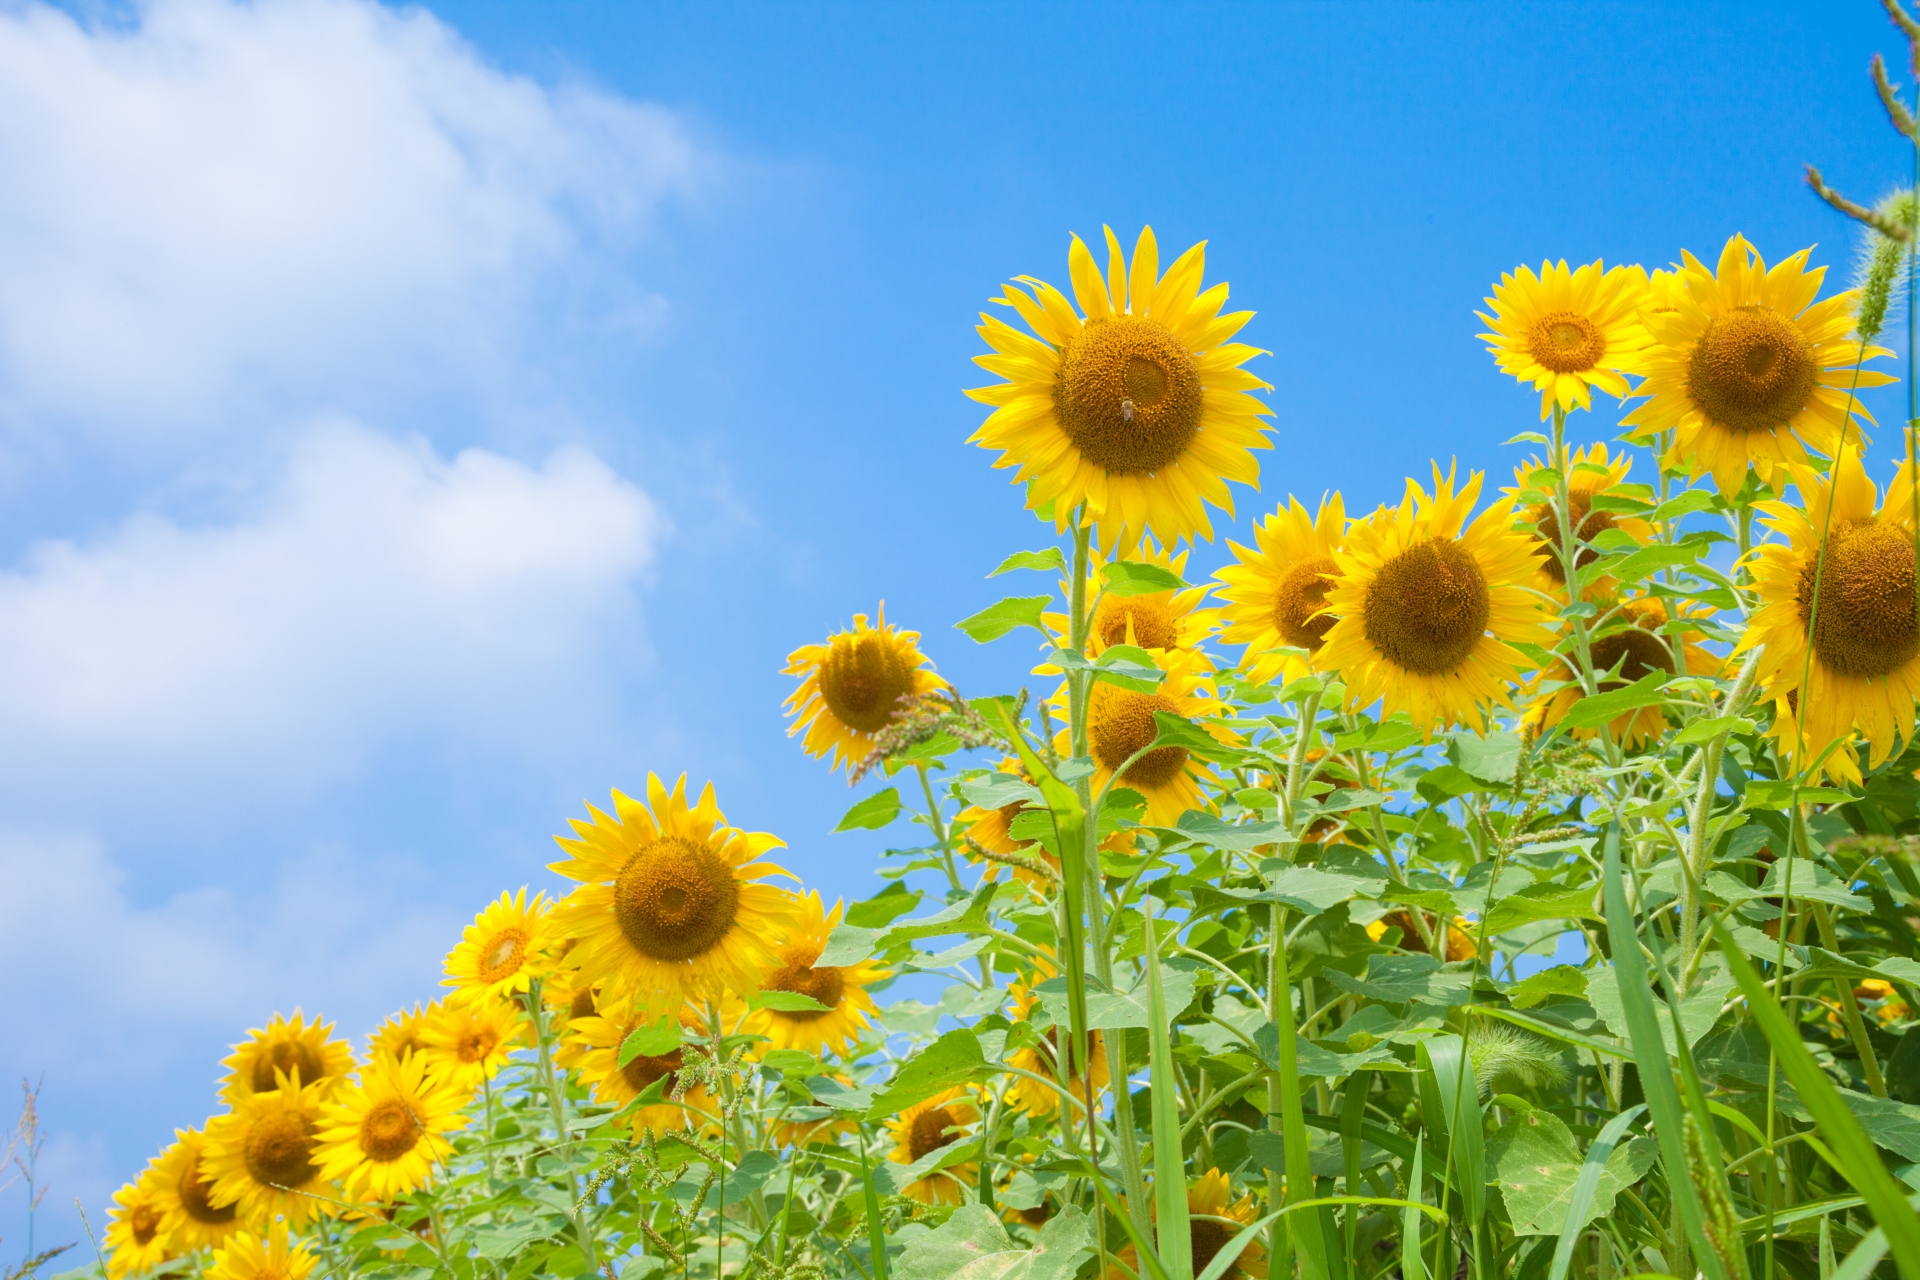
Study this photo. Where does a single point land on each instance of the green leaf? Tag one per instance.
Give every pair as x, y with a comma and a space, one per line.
1597, 709
997, 620
1686, 504
1169, 1161
848, 944
1446, 782
999, 790
1765, 793
829, 1092
750, 1175
1526, 437
1587, 1186
1537, 1164
791, 1062
1127, 578
1111, 1010
787, 1002
1708, 730
1178, 731
654, 1041
960, 917
973, 1244
1698, 1011
1491, 759
1811, 883
876, 811
1203, 828
1048, 558
1539, 902
1561, 980
954, 1058
884, 907
1450, 1100
1398, 979
1310, 890
1648, 561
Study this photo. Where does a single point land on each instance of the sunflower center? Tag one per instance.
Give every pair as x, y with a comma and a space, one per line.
1300, 595
862, 679
825, 984
502, 956
279, 1150
675, 899
643, 1070
1566, 342
1588, 524
1128, 395
1427, 607
143, 1223
1208, 1238
196, 1197
1120, 723
928, 1132
388, 1130
582, 1005
1643, 651
475, 1044
1155, 624
1866, 623
1752, 370
287, 1057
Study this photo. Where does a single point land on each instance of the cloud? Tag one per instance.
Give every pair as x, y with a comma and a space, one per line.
222, 209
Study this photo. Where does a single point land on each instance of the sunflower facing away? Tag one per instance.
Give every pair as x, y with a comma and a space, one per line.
1136, 406
502, 951
402, 1034
843, 989
1275, 594
1639, 648
1747, 367
285, 1045
670, 905
1430, 607
1568, 331
1120, 723
465, 1045
245, 1257
924, 1128
1865, 671
263, 1157
1590, 472
136, 1229
183, 1190
1031, 1096
1216, 1218
851, 687
595, 1042
381, 1137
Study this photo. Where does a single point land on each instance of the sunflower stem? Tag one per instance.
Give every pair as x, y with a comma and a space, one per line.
536, 1009
939, 825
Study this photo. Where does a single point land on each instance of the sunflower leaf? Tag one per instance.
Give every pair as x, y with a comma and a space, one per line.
655, 1041
953, 1059
876, 811
1126, 578
1178, 731
1048, 558
787, 1002
1599, 708
1007, 615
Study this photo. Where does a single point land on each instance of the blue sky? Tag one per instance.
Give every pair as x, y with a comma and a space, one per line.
415, 422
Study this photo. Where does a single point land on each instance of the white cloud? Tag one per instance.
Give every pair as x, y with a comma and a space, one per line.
224, 209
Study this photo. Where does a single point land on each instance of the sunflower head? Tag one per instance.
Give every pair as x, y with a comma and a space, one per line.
381, 1137
263, 1156
594, 1043
247, 1257
1151, 620
1568, 331
1635, 640
855, 685
502, 951
301, 1051
924, 1128
1121, 727
401, 1035
465, 1045
1591, 472
1277, 595
841, 988
137, 1239
1048, 1060
184, 1191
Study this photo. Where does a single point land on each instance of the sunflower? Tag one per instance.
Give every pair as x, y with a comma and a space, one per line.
287, 1046
1140, 410
1568, 331
1639, 648
670, 906
401, 1035
502, 951
1429, 607
467, 1044
1841, 765
596, 1043
1153, 620
1120, 723
1460, 943
855, 685
136, 1229
1865, 669
1031, 1096
568, 999
924, 1128
1747, 367
183, 1190
246, 1258
1590, 473
992, 830
381, 1137
1216, 1218
842, 988
1275, 595
263, 1157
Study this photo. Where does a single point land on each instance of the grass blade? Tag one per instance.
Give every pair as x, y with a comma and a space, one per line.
1586, 1185
1451, 1097
1308, 1241
1172, 1228
1412, 1265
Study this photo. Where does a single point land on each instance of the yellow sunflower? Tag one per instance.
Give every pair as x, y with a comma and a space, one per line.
1865, 670
1568, 331
245, 1257
1215, 1218
1429, 607
853, 686
1460, 943
1590, 472
263, 1157
137, 1240
1747, 368
1120, 722
401, 1035
1841, 765
1275, 595
1154, 620
992, 830
1640, 649
1031, 1096
670, 905
287, 1046
502, 951
380, 1138
183, 1190
924, 1128
843, 989
1140, 409
465, 1045
596, 1043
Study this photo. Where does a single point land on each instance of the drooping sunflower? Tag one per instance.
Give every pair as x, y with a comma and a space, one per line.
1429, 606
401, 1035
843, 989
1276, 595
1120, 723
1747, 369
1152, 620
245, 1257
183, 1190
287, 1046
1590, 472
1639, 648
852, 687
1568, 331
1216, 1217
467, 1044
1031, 1096
1136, 406
924, 1128
381, 1137
263, 1157
1865, 668
596, 1043
670, 906
502, 951
137, 1240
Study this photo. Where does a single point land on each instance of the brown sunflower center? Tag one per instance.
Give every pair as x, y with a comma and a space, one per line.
582, 1004
196, 1197
1427, 607
675, 899
1208, 1238
1120, 722
1299, 596
1866, 623
1566, 342
1751, 370
1588, 524
143, 1223
285, 1056
1643, 651
279, 1149
1128, 395
825, 984
862, 679
475, 1043
928, 1132
502, 955
1155, 624
388, 1130
643, 1070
